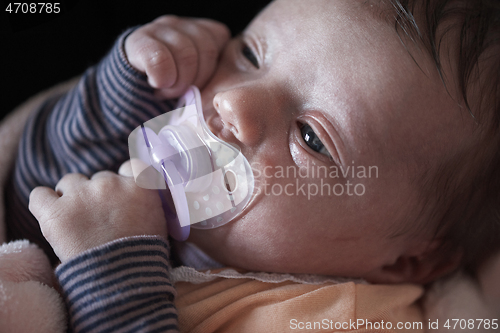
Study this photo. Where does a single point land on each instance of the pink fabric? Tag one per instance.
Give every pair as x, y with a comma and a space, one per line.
28, 301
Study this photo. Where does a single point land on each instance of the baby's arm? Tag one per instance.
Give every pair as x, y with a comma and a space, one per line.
86, 130
115, 270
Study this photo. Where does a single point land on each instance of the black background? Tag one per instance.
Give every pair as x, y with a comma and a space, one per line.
41, 50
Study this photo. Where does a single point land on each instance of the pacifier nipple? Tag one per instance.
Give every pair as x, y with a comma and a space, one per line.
210, 181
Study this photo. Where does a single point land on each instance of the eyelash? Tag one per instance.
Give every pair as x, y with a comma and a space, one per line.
248, 53
306, 132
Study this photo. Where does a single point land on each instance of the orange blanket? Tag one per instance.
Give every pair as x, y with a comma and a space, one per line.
248, 305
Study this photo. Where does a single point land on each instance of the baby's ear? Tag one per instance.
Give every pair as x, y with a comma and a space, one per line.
418, 266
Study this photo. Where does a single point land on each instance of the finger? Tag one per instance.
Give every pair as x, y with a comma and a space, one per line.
40, 199
154, 58
208, 50
209, 38
126, 169
185, 54
69, 181
103, 174
219, 31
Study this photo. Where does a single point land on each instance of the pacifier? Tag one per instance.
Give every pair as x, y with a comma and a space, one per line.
210, 181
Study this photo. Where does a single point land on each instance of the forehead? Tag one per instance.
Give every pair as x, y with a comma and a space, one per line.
349, 43
342, 57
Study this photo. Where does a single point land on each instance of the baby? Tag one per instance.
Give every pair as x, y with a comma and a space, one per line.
309, 85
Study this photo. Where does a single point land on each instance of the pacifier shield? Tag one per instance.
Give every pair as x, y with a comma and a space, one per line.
210, 180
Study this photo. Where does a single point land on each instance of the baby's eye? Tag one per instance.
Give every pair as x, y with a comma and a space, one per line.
248, 53
312, 140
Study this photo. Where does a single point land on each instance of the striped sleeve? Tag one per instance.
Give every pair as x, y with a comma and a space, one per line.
85, 131
122, 286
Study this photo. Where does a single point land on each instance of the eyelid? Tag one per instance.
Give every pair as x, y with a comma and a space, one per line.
327, 140
254, 45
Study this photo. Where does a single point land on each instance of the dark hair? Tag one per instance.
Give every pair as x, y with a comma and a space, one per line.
465, 201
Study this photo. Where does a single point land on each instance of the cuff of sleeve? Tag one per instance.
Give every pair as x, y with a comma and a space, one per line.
117, 279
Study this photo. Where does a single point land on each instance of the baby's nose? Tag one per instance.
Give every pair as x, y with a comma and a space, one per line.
243, 114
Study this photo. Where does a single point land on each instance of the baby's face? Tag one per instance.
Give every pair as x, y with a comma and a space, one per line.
328, 86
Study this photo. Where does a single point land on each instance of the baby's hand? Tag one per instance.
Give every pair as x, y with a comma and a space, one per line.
84, 213
176, 52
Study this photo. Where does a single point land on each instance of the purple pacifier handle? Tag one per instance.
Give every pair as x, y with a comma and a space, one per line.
173, 225
175, 230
